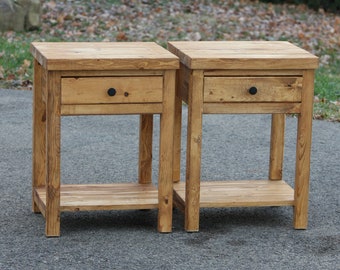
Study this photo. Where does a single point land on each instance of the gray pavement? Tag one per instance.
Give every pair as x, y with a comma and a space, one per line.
104, 149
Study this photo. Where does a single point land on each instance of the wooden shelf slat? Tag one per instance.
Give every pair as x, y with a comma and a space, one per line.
242, 193
88, 197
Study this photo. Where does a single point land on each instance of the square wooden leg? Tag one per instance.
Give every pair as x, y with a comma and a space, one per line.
39, 134
145, 149
52, 213
277, 146
303, 149
194, 144
165, 188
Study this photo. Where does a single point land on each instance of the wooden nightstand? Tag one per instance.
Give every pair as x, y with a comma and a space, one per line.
102, 79
250, 78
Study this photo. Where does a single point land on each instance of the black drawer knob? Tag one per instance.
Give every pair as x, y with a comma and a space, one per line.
111, 92
253, 90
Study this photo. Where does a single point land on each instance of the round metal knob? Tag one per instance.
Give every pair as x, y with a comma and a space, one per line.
252, 90
111, 92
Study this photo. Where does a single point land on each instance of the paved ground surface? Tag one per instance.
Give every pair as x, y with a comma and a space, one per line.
104, 149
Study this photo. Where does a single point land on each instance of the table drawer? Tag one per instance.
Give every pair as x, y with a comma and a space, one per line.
252, 89
101, 90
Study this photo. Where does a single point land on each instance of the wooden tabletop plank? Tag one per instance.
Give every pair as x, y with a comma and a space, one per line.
103, 55
242, 55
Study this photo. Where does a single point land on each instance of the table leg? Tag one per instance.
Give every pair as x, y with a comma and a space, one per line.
276, 146
177, 133
194, 143
303, 149
145, 149
165, 189
52, 215
39, 133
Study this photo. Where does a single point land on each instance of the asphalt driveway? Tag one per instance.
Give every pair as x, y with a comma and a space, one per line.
234, 147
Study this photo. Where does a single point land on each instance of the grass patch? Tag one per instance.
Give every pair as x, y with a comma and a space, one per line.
176, 20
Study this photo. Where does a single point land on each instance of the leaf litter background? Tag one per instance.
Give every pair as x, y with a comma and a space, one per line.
160, 21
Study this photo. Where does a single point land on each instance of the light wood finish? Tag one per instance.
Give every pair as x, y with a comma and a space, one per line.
303, 151
97, 56
145, 149
52, 213
39, 132
91, 197
236, 89
246, 108
104, 109
73, 79
277, 146
165, 190
94, 90
225, 55
194, 145
242, 193
177, 132
283, 76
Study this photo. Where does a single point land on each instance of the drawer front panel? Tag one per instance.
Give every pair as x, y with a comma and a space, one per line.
102, 90
252, 89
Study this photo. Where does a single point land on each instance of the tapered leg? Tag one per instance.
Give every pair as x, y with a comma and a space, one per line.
194, 144
277, 146
165, 190
52, 215
303, 148
145, 149
39, 134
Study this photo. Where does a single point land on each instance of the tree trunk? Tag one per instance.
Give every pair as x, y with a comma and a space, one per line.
20, 15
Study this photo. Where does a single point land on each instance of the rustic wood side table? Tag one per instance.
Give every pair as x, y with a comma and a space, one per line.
244, 77
102, 79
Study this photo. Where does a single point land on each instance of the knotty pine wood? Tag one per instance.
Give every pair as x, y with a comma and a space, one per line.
108, 109
276, 146
242, 55
241, 193
194, 147
236, 89
103, 56
93, 90
145, 148
39, 132
90, 197
224, 63
253, 107
303, 151
52, 214
165, 191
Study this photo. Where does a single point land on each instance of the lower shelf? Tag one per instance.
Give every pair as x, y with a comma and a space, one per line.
242, 193
102, 197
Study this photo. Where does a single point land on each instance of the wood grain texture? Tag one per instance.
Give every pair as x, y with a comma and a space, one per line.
236, 89
241, 193
94, 90
277, 146
283, 76
303, 150
242, 55
165, 191
177, 129
107, 109
52, 214
39, 133
89, 197
145, 149
194, 145
254, 107
102, 56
